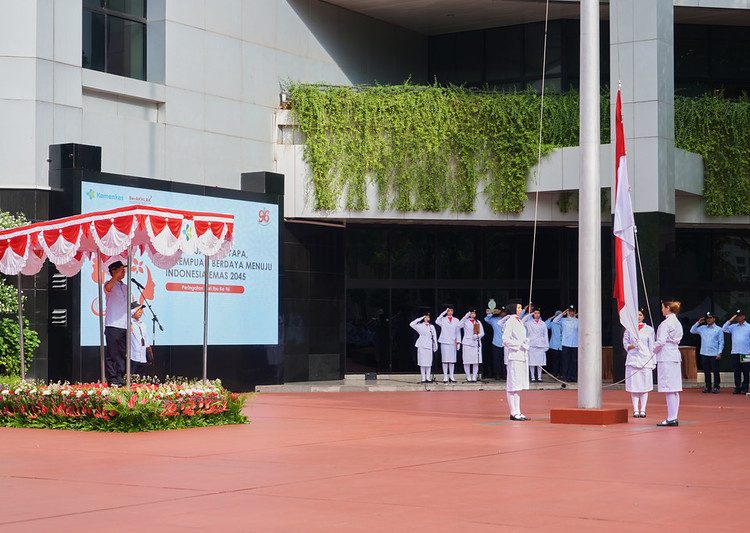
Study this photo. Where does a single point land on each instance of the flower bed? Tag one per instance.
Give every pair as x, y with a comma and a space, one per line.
97, 407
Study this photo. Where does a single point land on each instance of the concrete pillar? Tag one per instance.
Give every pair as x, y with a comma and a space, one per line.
642, 61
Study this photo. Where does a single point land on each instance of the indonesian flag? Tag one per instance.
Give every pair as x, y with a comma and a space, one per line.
626, 288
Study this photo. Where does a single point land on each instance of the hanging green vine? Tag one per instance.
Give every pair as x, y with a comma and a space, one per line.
427, 148
430, 147
719, 130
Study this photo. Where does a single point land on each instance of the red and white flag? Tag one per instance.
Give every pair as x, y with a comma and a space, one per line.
626, 287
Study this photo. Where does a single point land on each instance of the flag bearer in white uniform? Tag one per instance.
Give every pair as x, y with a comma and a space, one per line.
668, 358
450, 342
426, 344
536, 332
473, 331
639, 365
516, 346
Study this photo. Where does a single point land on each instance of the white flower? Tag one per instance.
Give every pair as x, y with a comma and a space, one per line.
19, 390
105, 392
91, 392
79, 393
5, 392
47, 392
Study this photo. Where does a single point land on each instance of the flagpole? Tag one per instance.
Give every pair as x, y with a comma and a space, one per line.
589, 225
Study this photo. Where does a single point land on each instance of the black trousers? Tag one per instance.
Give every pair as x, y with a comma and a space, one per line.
569, 363
741, 373
711, 366
114, 357
138, 368
553, 362
498, 365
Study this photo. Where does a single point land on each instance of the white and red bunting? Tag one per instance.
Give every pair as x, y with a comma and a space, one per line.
165, 234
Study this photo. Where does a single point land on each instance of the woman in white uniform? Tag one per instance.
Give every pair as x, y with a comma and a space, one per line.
450, 342
473, 331
516, 346
426, 344
536, 332
639, 365
668, 358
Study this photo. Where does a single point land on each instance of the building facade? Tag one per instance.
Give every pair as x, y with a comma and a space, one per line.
188, 91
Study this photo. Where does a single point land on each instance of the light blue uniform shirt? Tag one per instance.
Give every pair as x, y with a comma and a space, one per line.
497, 324
712, 338
555, 341
740, 337
569, 330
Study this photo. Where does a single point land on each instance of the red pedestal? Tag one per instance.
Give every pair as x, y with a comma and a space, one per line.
598, 417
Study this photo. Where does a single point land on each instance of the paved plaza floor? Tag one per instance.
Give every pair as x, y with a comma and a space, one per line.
391, 461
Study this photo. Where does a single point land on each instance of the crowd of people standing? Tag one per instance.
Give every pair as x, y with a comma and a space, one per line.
523, 344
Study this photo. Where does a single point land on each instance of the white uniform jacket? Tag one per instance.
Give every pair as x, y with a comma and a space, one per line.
515, 341
536, 332
469, 338
668, 337
642, 355
427, 335
450, 330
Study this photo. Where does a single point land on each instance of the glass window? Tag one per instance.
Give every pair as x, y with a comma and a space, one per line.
367, 330
135, 8
458, 253
499, 258
730, 258
366, 252
114, 37
504, 53
413, 253
93, 40
126, 48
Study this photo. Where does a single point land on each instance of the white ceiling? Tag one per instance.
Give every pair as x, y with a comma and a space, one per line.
433, 17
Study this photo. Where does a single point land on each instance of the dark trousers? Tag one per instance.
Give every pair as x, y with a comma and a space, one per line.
711, 366
741, 373
138, 368
553, 362
114, 357
569, 363
497, 362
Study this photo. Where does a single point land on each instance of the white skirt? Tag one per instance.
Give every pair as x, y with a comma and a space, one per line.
537, 356
424, 356
472, 355
448, 352
518, 376
638, 379
669, 375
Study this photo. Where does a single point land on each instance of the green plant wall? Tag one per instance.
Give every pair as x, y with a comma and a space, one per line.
719, 130
429, 147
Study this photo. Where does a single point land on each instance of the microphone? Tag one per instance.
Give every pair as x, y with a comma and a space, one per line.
137, 284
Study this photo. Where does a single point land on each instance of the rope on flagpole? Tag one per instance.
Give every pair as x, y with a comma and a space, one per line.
539, 154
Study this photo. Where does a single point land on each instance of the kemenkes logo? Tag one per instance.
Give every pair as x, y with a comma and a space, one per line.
264, 217
188, 232
91, 194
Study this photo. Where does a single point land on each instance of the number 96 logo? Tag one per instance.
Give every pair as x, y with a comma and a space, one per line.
264, 217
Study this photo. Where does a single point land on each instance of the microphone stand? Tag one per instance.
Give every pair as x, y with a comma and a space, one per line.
154, 319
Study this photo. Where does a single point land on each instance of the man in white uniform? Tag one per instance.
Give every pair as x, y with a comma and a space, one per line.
450, 342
